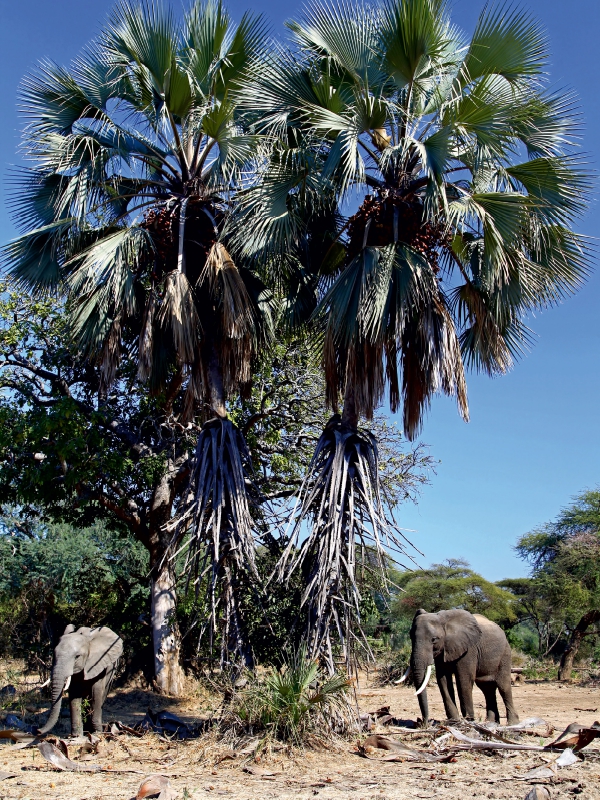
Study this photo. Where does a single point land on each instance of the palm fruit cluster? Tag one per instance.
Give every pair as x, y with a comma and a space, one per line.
392, 218
161, 222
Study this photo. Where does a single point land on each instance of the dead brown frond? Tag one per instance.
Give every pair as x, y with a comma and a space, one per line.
236, 316
340, 503
178, 312
431, 361
194, 392
146, 340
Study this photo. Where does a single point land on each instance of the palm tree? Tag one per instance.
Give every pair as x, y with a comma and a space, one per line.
138, 150
460, 167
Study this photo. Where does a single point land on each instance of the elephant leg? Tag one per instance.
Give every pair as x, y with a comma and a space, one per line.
76, 721
446, 686
491, 705
464, 686
505, 690
97, 702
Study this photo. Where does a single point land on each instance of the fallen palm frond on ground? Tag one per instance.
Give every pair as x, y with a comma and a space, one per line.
482, 737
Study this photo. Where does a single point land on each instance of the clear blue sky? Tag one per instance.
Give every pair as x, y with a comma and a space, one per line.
534, 436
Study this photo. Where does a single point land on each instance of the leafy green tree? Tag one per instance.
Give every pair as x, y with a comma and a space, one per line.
65, 459
453, 584
137, 151
52, 575
565, 559
468, 185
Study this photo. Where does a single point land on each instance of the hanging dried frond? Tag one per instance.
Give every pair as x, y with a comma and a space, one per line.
110, 357
220, 542
236, 316
341, 504
146, 340
178, 311
431, 361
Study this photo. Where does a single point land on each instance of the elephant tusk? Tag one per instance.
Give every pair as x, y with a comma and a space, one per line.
404, 677
425, 682
43, 686
67, 683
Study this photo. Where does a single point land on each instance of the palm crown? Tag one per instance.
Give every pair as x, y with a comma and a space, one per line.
137, 152
468, 185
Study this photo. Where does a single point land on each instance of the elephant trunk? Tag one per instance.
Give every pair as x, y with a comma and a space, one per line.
421, 663
60, 679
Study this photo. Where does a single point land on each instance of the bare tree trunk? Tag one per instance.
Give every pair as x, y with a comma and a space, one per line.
568, 657
166, 637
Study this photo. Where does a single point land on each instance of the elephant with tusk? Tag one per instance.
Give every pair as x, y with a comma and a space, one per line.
468, 648
85, 661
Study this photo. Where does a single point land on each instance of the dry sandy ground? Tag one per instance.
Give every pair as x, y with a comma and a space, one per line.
337, 773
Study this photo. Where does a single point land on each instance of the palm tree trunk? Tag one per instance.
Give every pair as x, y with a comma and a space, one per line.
215, 383
349, 413
568, 657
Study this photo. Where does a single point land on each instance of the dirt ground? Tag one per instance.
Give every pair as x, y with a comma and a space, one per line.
200, 768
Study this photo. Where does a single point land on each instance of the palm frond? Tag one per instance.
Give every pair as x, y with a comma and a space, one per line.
340, 505
220, 546
178, 313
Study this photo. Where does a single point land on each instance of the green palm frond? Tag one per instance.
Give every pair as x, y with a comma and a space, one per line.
468, 184
139, 152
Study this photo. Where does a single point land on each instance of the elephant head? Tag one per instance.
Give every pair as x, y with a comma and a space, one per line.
449, 634
87, 650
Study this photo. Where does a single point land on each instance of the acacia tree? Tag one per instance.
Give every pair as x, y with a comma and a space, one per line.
565, 559
468, 186
136, 153
453, 584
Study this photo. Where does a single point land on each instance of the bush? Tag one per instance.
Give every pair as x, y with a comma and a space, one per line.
295, 701
54, 575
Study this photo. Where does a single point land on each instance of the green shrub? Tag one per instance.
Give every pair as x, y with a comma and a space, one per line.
54, 575
296, 700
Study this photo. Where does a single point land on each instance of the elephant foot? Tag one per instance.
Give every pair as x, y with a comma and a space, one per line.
422, 723
513, 720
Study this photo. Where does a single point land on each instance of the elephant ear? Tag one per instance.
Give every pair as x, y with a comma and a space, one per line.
105, 648
462, 632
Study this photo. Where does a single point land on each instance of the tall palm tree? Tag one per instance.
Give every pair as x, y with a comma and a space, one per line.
138, 150
460, 167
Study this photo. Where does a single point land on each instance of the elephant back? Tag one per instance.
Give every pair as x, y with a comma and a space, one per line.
494, 645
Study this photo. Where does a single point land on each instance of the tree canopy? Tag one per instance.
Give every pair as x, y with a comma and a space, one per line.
565, 558
453, 584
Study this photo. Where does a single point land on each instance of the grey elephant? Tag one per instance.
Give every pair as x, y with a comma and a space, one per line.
471, 649
85, 661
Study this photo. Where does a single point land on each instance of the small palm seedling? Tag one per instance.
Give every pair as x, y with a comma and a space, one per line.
297, 701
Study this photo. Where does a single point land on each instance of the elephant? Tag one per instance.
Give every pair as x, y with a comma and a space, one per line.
85, 661
468, 647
